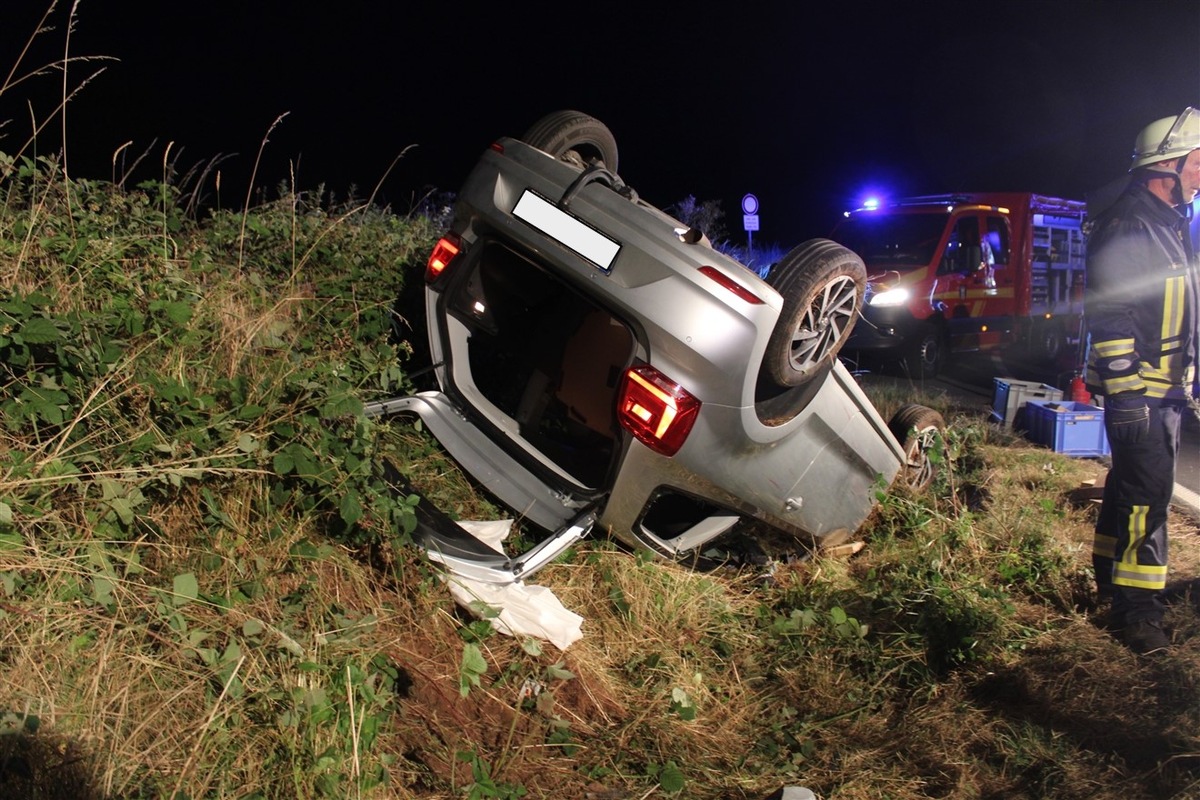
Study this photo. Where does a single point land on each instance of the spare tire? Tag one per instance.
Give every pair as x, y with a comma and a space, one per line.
822, 285
574, 137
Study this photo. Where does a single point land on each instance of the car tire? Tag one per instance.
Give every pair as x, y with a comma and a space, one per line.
924, 357
574, 137
921, 433
822, 285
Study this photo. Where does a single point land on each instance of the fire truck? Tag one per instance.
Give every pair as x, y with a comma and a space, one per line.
967, 272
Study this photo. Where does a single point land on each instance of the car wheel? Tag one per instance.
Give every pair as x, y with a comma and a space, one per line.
920, 431
822, 286
925, 355
574, 137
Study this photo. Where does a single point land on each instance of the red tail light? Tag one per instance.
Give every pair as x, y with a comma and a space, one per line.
443, 253
657, 411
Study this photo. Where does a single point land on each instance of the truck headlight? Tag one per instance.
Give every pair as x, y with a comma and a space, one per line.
890, 297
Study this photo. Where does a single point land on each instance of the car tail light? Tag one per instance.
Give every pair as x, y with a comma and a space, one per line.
731, 285
657, 411
443, 253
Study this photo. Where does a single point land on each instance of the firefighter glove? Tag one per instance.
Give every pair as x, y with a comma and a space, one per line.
1128, 420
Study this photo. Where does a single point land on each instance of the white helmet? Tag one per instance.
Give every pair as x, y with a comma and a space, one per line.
1165, 139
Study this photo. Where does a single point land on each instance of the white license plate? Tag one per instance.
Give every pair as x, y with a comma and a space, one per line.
567, 230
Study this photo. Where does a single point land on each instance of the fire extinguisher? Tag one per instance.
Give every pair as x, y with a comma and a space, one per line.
1079, 392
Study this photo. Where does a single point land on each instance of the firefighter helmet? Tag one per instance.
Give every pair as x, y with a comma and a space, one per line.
1166, 139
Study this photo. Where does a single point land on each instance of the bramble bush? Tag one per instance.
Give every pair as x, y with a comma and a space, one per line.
139, 356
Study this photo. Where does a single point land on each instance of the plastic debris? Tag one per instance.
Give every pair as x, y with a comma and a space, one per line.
519, 609
792, 793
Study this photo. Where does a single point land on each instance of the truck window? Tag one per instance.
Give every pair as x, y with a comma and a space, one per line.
963, 250
997, 238
896, 241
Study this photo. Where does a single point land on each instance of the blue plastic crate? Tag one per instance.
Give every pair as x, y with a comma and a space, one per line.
1067, 427
1009, 397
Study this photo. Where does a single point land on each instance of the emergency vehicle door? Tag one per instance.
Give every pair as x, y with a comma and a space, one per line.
959, 269
976, 309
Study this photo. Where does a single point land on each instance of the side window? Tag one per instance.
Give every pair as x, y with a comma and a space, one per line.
997, 239
962, 252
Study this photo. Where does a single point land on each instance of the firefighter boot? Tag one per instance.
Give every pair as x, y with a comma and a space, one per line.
1145, 636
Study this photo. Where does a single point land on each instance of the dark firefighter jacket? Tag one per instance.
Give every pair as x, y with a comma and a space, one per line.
1142, 302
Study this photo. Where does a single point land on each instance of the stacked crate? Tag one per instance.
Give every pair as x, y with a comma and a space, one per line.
1070, 428
1010, 396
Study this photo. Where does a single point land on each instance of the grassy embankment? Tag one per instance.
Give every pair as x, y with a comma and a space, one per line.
205, 590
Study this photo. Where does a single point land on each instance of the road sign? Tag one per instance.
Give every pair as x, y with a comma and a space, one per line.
749, 218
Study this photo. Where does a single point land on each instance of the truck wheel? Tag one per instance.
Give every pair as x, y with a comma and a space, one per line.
920, 431
822, 285
926, 353
574, 137
1048, 342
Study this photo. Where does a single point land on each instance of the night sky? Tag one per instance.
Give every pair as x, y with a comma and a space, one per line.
808, 106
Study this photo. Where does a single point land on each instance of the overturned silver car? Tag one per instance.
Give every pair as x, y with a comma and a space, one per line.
601, 367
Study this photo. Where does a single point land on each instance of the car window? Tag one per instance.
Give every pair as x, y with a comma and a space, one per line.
963, 249
997, 238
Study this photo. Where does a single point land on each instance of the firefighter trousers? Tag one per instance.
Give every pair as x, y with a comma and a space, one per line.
1129, 551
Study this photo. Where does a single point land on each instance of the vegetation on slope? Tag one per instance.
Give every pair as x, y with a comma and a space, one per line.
206, 589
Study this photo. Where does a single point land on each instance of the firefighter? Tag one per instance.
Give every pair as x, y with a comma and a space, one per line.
1142, 305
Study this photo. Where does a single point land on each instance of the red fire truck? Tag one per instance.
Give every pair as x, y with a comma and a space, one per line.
968, 272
